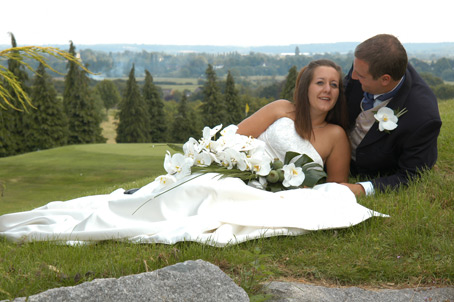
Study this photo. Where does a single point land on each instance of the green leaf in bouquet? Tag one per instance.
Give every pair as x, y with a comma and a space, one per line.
289, 156
311, 166
313, 177
175, 147
275, 187
303, 160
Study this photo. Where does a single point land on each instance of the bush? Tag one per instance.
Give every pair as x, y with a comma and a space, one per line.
444, 91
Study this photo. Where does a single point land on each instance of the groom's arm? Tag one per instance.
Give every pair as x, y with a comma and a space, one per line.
357, 189
418, 152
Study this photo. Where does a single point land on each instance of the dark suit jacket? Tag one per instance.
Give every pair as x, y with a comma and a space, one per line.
396, 157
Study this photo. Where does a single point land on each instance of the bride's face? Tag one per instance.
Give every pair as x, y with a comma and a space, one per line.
324, 88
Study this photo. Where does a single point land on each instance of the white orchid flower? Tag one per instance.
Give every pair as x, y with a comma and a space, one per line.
165, 180
227, 142
261, 183
260, 166
293, 176
249, 143
229, 130
202, 159
228, 139
231, 158
191, 148
208, 133
205, 144
214, 157
215, 146
256, 155
224, 160
178, 165
241, 161
386, 118
256, 148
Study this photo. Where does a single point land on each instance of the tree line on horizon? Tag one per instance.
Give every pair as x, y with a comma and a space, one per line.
193, 65
72, 114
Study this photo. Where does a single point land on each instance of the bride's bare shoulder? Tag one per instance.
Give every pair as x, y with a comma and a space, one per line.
336, 134
282, 108
336, 130
264, 117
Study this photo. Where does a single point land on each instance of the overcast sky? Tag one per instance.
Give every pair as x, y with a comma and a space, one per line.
223, 22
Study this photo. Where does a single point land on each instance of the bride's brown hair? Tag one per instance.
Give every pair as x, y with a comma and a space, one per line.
338, 115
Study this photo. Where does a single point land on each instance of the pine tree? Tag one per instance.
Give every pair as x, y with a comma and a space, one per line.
8, 142
297, 51
213, 109
287, 92
83, 118
12, 130
235, 110
70, 79
182, 127
109, 94
155, 109
48, 124
134, 125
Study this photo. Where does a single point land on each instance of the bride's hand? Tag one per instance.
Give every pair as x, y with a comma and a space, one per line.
357, 189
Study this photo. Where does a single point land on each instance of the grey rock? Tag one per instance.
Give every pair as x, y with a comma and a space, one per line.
300, 292
187, 281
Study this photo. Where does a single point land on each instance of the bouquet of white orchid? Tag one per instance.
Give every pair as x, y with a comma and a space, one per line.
236, 155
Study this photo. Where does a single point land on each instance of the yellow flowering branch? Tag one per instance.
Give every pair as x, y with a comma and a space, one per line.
19, 54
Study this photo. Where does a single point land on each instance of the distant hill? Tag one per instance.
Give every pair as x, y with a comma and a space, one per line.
414, 49
344, 47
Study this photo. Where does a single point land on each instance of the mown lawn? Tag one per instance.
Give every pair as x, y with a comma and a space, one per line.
32, 179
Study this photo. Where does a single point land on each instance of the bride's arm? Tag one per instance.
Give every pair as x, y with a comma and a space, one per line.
338, 161
257, 123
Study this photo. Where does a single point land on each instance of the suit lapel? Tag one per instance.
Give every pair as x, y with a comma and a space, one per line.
397, 103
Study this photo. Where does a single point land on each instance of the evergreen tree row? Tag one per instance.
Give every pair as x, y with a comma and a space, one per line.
141, 114
51, 123
142, 119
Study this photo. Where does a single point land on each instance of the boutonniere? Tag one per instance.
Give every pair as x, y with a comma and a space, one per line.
387, 118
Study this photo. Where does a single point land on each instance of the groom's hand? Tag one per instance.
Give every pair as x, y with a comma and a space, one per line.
357, 189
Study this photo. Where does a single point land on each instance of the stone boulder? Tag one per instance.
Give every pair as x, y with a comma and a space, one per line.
300, 292
187, 281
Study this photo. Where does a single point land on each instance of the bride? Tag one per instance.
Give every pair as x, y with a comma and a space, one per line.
224, 210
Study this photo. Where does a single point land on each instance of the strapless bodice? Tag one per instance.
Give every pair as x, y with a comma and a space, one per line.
281, 137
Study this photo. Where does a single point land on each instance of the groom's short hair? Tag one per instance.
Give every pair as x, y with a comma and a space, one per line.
385, 55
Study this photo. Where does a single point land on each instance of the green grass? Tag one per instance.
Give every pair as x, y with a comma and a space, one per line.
180, 84
32, 179
414, 247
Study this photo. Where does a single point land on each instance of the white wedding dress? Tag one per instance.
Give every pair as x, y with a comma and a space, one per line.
205, 209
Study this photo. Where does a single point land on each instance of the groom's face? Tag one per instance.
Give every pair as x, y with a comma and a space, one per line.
368, 83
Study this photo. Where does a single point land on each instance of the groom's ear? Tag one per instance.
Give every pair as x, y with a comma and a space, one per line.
385, 80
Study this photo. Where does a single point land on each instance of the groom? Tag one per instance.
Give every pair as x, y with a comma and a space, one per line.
381, 77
